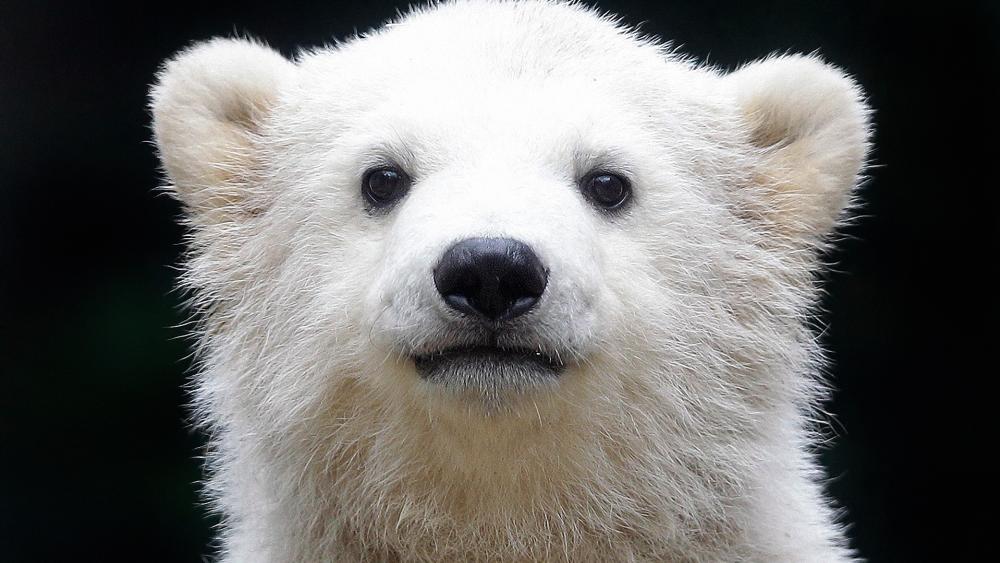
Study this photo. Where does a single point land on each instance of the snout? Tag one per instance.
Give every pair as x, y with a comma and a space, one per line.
496, 316
490, 279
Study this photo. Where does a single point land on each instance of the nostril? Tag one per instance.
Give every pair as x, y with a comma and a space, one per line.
460, 302
521, 305
494, 278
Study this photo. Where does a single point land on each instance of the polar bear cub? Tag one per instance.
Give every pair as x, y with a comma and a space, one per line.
507, 281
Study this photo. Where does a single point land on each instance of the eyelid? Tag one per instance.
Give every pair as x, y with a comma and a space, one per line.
611, 161
606, 171
375, 162
388, 155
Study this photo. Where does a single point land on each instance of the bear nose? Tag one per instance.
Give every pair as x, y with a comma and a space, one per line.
493, 278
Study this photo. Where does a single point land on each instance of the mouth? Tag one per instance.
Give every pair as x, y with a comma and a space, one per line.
489, 368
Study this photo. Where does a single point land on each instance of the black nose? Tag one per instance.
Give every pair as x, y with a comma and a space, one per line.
495, 278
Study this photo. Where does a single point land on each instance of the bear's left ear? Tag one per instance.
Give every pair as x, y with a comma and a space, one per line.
810, 124
209, 105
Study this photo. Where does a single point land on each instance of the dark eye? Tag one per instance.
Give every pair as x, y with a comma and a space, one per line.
383, 186
606, 190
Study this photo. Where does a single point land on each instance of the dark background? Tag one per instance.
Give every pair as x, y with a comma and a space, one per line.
96, 461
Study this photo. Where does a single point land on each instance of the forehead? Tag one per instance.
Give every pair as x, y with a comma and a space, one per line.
485, 54
503, 110
526, 81
467, 108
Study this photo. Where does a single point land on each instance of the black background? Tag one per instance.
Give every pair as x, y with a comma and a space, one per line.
96, 461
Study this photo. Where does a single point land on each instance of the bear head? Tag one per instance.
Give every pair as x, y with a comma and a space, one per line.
504, 254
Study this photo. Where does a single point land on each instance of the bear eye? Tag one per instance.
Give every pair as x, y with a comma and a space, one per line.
606, 190
383, 186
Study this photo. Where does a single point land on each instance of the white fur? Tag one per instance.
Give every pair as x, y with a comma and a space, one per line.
682, 427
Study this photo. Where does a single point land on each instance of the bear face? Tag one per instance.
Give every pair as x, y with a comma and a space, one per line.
505, 280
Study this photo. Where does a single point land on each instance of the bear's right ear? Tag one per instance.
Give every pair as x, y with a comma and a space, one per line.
208, 105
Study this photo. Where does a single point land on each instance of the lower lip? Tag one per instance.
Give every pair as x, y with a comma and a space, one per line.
487, 366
